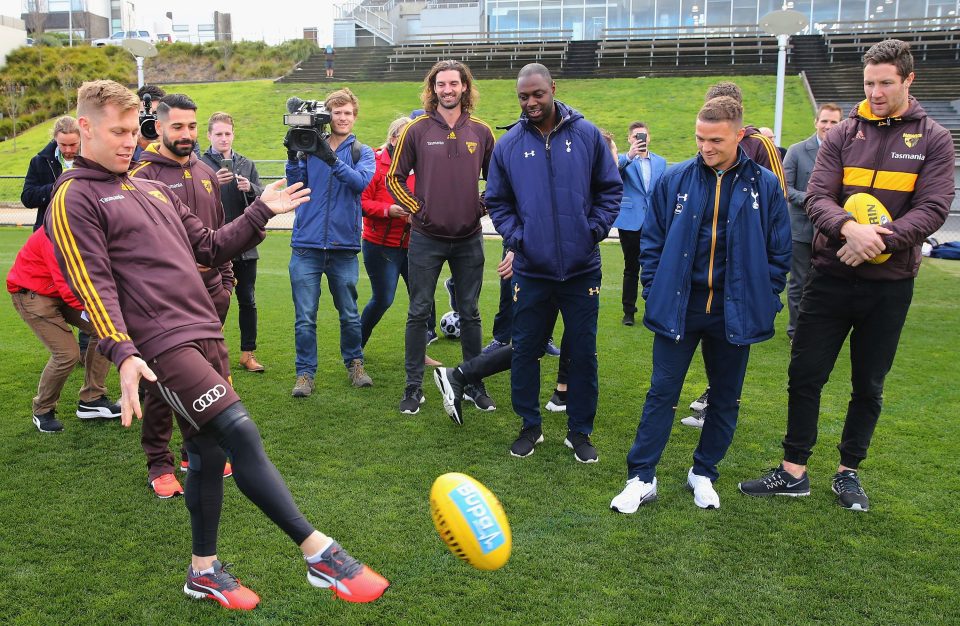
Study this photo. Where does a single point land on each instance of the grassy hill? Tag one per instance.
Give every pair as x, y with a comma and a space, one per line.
668, 105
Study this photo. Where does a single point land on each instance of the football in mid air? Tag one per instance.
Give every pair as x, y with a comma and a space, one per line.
471, 521
867, 209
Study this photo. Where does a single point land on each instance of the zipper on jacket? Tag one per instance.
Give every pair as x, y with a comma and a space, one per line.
876, 161
713, 239
553, 196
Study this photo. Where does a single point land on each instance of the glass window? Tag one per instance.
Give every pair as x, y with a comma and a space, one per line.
853, 10
935, 8
744, 12
718, 12
642, 14
668, 13
824, 13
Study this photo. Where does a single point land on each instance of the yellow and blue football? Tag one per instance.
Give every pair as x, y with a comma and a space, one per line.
471, 521
867, 209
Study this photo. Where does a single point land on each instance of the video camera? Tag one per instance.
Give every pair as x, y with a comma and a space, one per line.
148, 119
308, 121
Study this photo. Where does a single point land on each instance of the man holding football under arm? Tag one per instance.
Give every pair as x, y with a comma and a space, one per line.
160, 325
890, 149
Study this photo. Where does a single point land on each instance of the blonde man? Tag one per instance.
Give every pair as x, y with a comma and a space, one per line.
107, 227
48, 164
326, 240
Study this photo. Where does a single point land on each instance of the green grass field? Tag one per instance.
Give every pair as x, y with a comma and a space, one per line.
83, 541
669, 105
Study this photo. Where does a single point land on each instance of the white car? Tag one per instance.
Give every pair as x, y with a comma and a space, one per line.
117, 38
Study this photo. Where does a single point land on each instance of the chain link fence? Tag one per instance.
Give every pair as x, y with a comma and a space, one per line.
12, 211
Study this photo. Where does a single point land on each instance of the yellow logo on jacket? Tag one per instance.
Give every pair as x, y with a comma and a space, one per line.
594, 291
911, 139
471, 146
207, 185
452, 135
516, 291
156, 193
187, 174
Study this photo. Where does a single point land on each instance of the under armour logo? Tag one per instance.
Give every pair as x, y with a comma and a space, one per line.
594, 291
681, 197
516, 290
568, 145
527, 155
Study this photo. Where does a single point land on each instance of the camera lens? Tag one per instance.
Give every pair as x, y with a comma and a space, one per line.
148, 128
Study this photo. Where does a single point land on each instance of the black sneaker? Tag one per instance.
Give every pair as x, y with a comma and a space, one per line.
101, 407
777, 482
47, 422
412, 399
627, 319
451, 293
557, 402
701, 403
478, 395
450, 382
431, 336
850, 494
583, 449
526, 442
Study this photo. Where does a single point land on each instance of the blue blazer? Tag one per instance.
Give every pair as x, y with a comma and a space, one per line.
636, 195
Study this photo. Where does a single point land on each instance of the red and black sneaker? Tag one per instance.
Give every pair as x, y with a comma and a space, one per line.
222, 586
349, 579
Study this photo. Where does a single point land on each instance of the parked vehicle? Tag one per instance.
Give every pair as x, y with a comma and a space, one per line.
117, 38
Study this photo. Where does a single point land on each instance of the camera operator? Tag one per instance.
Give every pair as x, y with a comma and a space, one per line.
326, 237
172, 161
239, 187
144, 140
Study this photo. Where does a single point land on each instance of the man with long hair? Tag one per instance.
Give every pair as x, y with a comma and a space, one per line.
449, 150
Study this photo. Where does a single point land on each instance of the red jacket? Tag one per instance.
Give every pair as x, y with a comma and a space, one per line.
378, 226
36, 269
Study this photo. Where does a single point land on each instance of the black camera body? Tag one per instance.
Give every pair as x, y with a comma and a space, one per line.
308, 121
148, 119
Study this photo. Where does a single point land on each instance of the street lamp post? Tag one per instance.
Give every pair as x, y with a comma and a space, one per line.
782, 24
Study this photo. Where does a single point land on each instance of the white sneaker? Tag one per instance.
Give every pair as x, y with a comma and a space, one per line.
695, 420
633, 495
701, 403
704, 495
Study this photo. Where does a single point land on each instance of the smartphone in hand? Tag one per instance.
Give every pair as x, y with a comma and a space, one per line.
228, 164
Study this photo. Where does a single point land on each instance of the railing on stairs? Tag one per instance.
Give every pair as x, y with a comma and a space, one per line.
370, 20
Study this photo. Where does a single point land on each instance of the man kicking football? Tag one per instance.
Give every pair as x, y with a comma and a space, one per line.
129, 249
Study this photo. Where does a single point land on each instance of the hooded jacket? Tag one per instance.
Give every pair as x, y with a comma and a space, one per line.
128, 248
762, 151
906, 162
332, 219
195, 184
449, 163
38, 184
378, 227
758, 246
35, 269
554, 198
233, 200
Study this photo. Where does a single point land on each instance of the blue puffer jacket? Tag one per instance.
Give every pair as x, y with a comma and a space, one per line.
553, 200
758, 250
332, 220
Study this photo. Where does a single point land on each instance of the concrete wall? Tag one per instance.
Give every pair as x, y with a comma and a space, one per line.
13, 34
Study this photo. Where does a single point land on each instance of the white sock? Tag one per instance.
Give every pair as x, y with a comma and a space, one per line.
209, 570
313, 558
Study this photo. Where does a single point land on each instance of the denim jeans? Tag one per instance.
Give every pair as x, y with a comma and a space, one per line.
872, 312
726, 367
424, 261
384, 266
535, 301
342, 268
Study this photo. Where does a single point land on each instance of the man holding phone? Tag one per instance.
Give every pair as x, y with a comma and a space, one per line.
239, 187
640, 170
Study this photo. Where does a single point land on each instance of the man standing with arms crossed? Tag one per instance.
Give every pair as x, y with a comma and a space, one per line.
172, 161
889, 148
448, 150
106, 228
553, 194
797, 167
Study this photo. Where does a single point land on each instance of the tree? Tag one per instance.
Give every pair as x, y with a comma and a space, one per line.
68, 84
37, 13
12, 96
